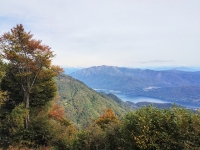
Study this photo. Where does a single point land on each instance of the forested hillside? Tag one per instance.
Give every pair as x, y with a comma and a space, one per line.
82, 104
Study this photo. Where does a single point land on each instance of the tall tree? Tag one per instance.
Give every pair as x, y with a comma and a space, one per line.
2, 93
28, 58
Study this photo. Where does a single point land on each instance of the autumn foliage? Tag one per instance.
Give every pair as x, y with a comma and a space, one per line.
57, 112
27, 58
31, 117
107, 118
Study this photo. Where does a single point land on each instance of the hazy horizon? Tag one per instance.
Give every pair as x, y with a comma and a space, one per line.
133, 34
191, 67
68, 70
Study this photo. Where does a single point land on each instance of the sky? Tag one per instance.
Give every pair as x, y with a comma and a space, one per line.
126, 33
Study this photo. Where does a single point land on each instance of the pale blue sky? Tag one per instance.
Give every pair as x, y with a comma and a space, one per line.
129, 33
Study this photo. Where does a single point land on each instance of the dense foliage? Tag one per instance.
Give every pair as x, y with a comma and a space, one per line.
2, 74
82, 104
48, 127
146, 128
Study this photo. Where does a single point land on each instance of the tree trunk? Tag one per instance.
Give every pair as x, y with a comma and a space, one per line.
26, 104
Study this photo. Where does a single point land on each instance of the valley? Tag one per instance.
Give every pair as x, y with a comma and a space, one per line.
170, 85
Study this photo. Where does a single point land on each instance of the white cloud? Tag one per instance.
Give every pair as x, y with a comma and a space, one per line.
84, 33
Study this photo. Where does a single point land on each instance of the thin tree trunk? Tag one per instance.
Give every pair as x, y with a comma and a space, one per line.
26, 103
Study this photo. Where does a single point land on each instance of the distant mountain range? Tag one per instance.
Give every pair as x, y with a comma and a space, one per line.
189, 69
69, 70
172, 85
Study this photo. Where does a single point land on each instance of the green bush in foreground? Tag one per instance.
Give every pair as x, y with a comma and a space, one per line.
152, 128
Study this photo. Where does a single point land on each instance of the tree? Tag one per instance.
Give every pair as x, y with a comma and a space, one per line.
27, 59
110, 125
2, 74
3, 94
107, 118
104, 132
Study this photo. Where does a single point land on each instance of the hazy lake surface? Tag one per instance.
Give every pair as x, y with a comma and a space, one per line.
136, 99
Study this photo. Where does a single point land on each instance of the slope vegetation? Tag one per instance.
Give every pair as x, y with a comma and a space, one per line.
82, 104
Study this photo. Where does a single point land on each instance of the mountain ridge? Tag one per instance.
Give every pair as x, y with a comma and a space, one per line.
150, 83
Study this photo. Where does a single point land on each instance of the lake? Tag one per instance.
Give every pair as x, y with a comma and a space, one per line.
135, 99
